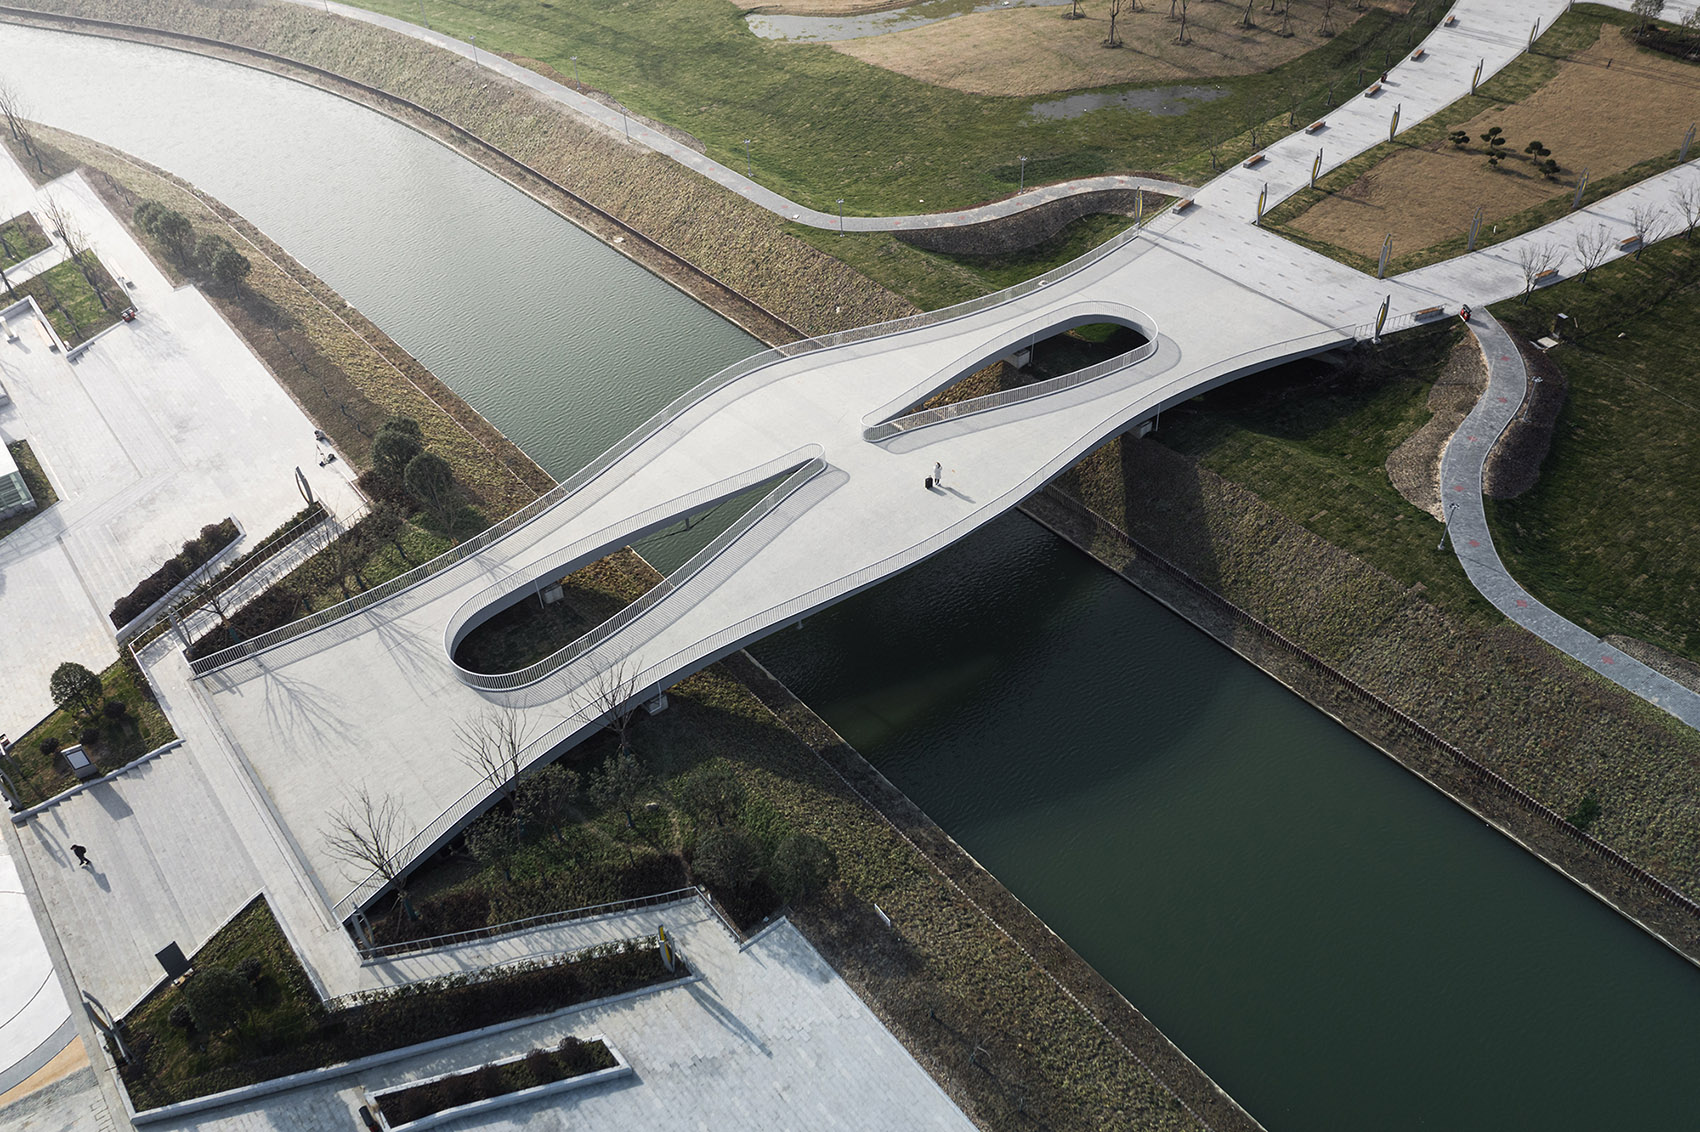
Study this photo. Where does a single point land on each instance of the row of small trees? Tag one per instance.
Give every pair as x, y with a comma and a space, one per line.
1648, 224
212, 253
402, 464
1496, 144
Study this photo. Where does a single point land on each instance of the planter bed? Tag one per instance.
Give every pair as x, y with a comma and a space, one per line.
541, 1072
156, 587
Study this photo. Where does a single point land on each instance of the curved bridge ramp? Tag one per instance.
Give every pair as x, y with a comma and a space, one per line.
371, 698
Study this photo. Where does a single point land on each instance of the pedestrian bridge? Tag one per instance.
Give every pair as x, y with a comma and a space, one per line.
364, 694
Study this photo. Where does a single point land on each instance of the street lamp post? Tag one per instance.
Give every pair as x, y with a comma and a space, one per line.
1445, 526
749, 164
1023, 187
422, 17
841, 216
475, 50
578, 86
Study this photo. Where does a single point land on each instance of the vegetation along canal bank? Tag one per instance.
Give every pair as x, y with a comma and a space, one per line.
1241, 566
965, 958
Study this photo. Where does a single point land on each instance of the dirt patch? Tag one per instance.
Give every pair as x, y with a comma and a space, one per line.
1514, 465
1414, 466
1033, 51
1608, 108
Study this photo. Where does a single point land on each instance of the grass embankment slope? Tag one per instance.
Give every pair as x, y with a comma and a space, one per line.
1588, 93
1610, 535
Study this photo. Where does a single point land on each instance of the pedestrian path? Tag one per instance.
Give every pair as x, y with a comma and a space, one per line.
1461, 485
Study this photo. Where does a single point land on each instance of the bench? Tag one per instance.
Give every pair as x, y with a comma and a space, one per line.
1420, 52
1429, 312
1450, 20
1373, 91
1548, 276
1628, 242
1316, 125
1182, 206
1253, 160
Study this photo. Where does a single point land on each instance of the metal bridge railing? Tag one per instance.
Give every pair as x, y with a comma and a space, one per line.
507, 681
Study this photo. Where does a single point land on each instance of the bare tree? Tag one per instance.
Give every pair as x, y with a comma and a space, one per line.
1535, 260
1647, 221
344, 556
367, 833
63, 222
1592, 248
1181, 38
1114, 40
494, 745
613, 700
1687, 200
1327, 29
12, 106
1646, 11
1245, 20
1074, 12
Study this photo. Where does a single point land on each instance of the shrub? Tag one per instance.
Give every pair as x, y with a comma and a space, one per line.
727, 860
182, 1017
714, 792
392, 450
75, 688
115, 710
251, 968
90, 736
220, 998
544, 1068
802, 864
49, 745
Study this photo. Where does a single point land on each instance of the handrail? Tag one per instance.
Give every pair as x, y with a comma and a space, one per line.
374, 952
560, 658
1050, 321
1015, 396
650, 679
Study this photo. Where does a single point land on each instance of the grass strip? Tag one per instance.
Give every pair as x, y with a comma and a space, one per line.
77, 308
20, 238
39, 775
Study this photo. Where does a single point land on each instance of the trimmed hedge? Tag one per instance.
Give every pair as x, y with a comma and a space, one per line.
199, 550
572, 1058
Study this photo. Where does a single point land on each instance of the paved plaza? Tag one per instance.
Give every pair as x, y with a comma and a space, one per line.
157, 428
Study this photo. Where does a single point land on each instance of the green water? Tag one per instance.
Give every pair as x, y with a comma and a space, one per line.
1339, 946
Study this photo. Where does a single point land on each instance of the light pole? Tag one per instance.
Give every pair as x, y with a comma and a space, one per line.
475, 51
422, 18
1445, 525
1023, 187
841, 216
578, 86
749, 163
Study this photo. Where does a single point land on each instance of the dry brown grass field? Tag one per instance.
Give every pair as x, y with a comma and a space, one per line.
1033, 51
1592, 115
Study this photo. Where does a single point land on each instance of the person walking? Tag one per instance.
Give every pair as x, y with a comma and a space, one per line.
938, 474
82, 854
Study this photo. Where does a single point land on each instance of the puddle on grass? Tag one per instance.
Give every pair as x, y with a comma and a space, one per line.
831, 29
1164, 101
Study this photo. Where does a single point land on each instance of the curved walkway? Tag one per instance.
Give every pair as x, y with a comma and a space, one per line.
637, 131
1461, 477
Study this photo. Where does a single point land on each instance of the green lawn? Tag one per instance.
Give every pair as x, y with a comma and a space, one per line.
1610, 536
1313, 441
142, 729
826, 126
71, 304
20, 238
36, 480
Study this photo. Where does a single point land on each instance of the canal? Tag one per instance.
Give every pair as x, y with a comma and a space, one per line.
1334, 942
